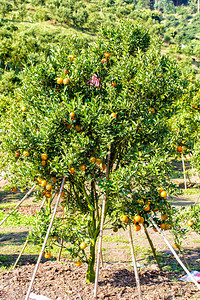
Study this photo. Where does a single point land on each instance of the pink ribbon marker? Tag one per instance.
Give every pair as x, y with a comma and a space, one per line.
94, 81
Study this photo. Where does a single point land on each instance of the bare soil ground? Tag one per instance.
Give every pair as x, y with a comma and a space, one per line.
117, 281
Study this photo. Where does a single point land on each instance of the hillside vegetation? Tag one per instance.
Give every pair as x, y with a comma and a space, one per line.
28, 29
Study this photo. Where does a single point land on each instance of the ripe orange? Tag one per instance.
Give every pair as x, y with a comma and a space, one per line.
72, 170
82, 168
14, 190
176, 245
44, 156
66, 81
164, 217
23, 108
104, 60
107, 55
179, 149
47, 255
141, 220
136, 227
147, 207
92, 159
60, 80
78, 263
68, 126
151, 110
49, 187
168, 226
43, 183
39, 180
163, 226
26, 153
54, 179
43, 162
137, 218
71, 57
103, 166
17, 153
160, 190
72, 114
47, 194
190, 223
163, 194
124, 219
83, 245
114, 84
78, 128
114, 115
98, 161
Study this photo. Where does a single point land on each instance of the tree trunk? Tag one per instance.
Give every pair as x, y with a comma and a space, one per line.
90, 274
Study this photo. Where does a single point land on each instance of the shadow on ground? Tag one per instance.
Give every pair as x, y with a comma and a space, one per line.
171, 270
10, 196
8, 261
12, 238
169, 262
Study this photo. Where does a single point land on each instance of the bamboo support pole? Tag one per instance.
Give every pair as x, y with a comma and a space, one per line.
45, 240
175, 255
137, 278
25, 244
183, 163
101, 231
20, 202
152, 247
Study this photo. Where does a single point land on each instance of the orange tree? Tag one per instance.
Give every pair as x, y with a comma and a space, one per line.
84, 112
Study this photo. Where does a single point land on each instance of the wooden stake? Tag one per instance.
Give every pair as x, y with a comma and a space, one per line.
184, 171
25, 244
152, 247
137, 278
45, 240
20, 202
175, 255
101, 231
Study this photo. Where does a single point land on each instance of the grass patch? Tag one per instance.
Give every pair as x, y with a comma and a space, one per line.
115, 239
17, 219
191, 191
